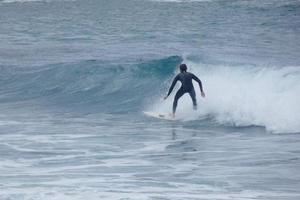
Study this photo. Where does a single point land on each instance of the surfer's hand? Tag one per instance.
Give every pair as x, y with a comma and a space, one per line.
165, 97
203, 94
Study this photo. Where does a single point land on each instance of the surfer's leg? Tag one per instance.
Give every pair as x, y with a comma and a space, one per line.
179, 94
193, 96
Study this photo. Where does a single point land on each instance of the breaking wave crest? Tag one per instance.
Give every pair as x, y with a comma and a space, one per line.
245, 96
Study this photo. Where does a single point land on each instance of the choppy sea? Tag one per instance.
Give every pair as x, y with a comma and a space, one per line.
76, 76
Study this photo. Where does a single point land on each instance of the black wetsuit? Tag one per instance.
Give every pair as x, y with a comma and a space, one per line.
186, 87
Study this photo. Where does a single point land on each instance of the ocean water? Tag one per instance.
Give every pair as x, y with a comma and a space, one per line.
76, 76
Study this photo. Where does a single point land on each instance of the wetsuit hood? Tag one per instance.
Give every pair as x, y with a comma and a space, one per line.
183, 67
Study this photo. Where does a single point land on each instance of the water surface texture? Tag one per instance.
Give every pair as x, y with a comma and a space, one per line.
76, 77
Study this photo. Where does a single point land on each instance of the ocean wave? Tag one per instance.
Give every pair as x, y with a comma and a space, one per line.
236, 95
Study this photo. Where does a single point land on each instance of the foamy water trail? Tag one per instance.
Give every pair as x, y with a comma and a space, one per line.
245, 96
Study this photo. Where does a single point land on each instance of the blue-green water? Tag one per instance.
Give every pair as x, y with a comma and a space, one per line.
76, 77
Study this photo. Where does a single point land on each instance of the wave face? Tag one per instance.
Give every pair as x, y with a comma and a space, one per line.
245, 96
88, 85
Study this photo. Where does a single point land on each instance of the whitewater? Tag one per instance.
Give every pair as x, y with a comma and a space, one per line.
77, 75
245, 96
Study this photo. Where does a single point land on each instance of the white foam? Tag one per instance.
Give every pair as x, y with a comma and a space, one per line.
244, 96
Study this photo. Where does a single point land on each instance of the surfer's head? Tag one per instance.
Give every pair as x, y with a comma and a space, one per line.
183, 67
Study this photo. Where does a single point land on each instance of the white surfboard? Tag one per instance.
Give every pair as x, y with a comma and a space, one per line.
166, 116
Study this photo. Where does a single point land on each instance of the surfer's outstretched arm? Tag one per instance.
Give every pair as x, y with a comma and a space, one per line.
200, 84
172, 86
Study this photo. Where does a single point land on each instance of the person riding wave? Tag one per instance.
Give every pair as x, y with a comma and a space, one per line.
186, 87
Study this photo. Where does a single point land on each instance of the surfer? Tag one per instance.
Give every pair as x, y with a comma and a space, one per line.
186, 87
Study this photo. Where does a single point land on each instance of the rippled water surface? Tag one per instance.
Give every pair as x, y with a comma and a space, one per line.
76, 76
